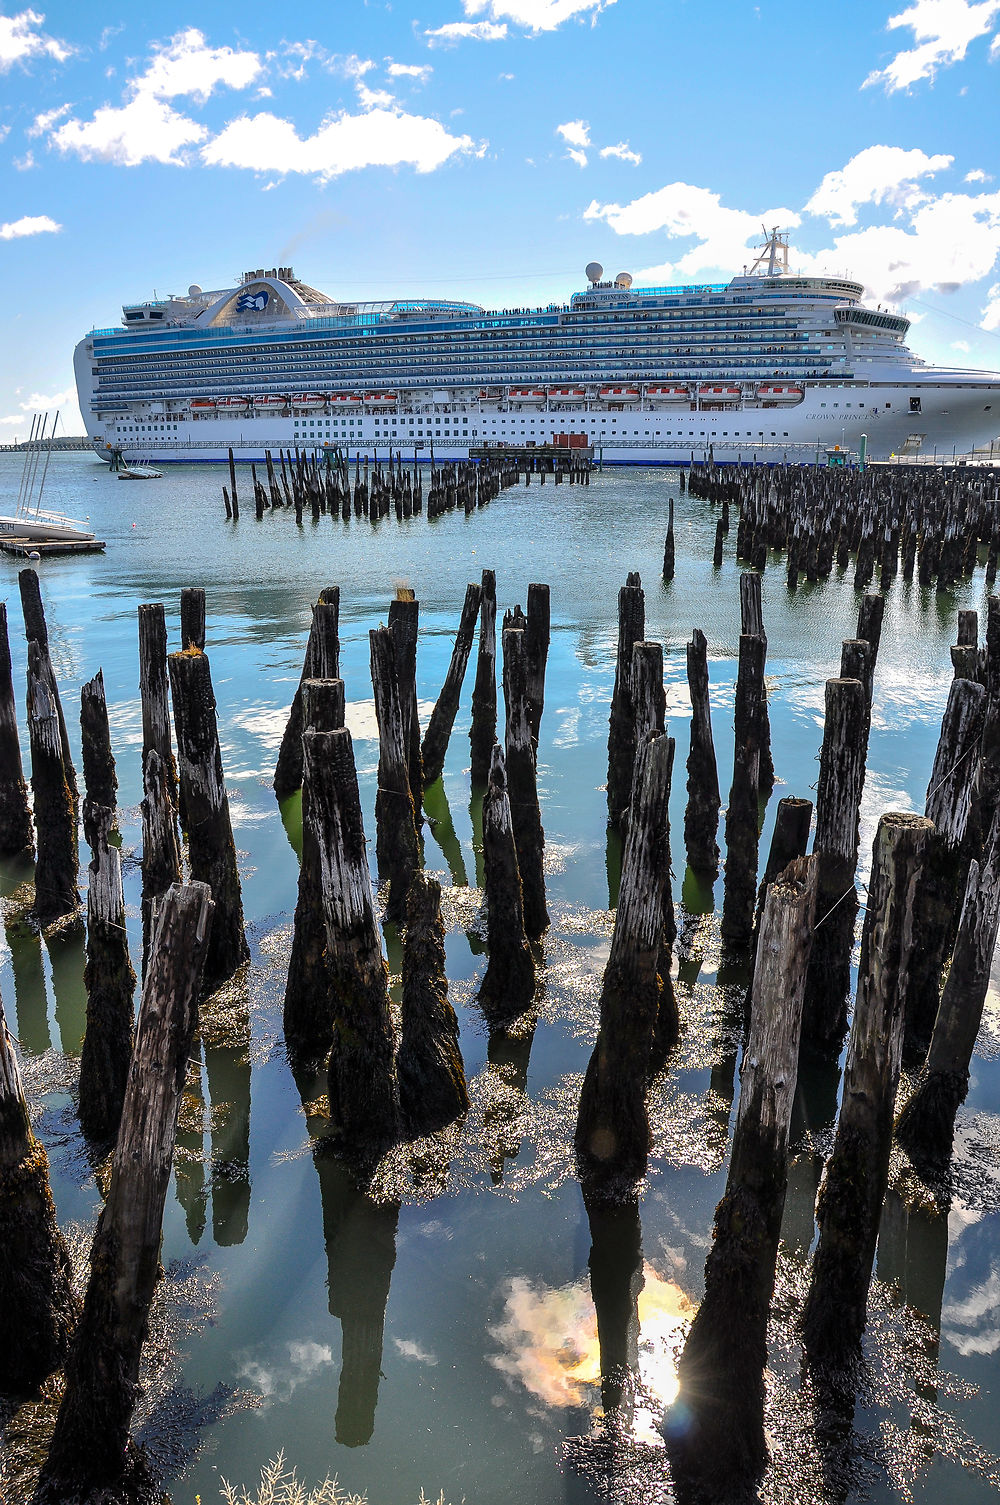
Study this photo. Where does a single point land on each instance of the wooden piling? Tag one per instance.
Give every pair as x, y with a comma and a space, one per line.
232, 487
36, 1294
16, 834
309, 1007
854, 1185
193, 617
57, 863
99, 776
36, 631
154, 691
110, 983
161, 856
536, 641
396, 842
742, 820
621, 727
522, 784
432, 1088
361, 1084
722, 1444
612, 1129
438, 733
668, 546
211, 849
789, 840
701, 817
508, 987
89, 1448
752, 623
482, 733
322, 661
404, 616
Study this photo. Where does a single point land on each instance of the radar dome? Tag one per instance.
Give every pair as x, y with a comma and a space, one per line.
624, 279
594, 271
194, 290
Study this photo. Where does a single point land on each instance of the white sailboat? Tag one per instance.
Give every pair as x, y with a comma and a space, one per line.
30, 522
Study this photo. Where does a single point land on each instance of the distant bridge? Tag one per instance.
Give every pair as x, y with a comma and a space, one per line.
71, 441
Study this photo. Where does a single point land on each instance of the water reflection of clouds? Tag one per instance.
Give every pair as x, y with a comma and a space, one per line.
549, 1344
970, 1315
278, 1378
408, 1348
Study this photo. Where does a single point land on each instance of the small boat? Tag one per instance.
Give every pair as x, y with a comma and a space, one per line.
139, 473
527, 394
389, 399
44, 527
619, 394
769, 392
567, 394
233, 402
711, 393
202, 404
30, 522
661, 393
270, 402
336, 400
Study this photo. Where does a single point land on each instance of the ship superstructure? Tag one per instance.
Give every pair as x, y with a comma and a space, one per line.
769, 363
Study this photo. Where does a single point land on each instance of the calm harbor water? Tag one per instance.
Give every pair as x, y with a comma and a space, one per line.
448, 1337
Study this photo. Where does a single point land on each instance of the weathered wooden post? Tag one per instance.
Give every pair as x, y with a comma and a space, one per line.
508, 986
742, 819
309, 1007
701, 817
16, 835
752, 620
483, 731
853, 1190
721, 1369
621, 727
36, 631
89, 1449
668, 546
193, 617
58, 859
838, 816
161, 856
322, 661
612, 1127
789, 840
649, 703
536, 641
361, 1084
396, 842
432, 1089
945, 865
110, 984
99, 776
404, 615
36, 1293
154, 690
926, 1126
211, 849
438, 733
529, 838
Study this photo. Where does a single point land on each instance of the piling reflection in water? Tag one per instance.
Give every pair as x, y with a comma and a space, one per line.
442, 829
508, 1055
225, 1032
30, 995
189, 1155
67, 958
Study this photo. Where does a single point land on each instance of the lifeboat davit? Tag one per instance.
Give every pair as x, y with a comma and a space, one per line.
233, 402
709, 392
567, 394
527, 394
202, 404
659, 393
771, 392
619, 394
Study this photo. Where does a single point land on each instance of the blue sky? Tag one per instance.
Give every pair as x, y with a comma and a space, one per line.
489, 149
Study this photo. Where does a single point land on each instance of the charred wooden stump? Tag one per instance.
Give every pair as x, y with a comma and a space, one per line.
926, 1126
99, 776
309, 1006
211, 849
89, 1449
701, 818
36, 1293
432, 1089
161, 856
752, 623
946, 861
438, 733
838, 816
404, 614
360, 1081
110, 983
58, 861
154, 691
621, 731
721, 1369
650, 704
193, 617
322, 661
742, 813
396, 842
854, 1185
508, 988
522, 785
612, 1128
16, 834
536, 641
36, 631
789, 840
483, 731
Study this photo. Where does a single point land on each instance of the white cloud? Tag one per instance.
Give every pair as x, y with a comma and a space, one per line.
977, 176
148, 129
63, 403
623, 152
418, 71
579, 157
537, 15
377, 137
991, 313
724, 236
877, 174
21, 39
962, 345
47, 120
31, 224
465, 31
576, 132
944, 29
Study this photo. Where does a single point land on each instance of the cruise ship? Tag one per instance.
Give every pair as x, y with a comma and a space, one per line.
770, 364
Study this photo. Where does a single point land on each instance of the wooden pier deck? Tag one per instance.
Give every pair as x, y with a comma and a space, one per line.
25, 547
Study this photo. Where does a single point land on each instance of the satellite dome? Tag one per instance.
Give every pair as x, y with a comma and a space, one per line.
624, 279
194, 290
594, 271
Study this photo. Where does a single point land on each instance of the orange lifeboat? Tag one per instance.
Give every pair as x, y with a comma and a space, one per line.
233, 402
270, 402
709, 392
527, 394
567, 394
202, 404
771, 392
340, 400
660, 393
389, 398
619, 394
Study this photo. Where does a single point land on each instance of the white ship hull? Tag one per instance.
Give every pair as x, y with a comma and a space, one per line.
934, 413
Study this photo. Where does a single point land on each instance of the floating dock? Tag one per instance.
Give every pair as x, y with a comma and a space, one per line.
25, 547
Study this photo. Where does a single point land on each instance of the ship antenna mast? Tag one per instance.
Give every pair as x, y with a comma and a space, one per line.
772, 257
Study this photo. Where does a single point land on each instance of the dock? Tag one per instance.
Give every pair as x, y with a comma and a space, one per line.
25, 547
